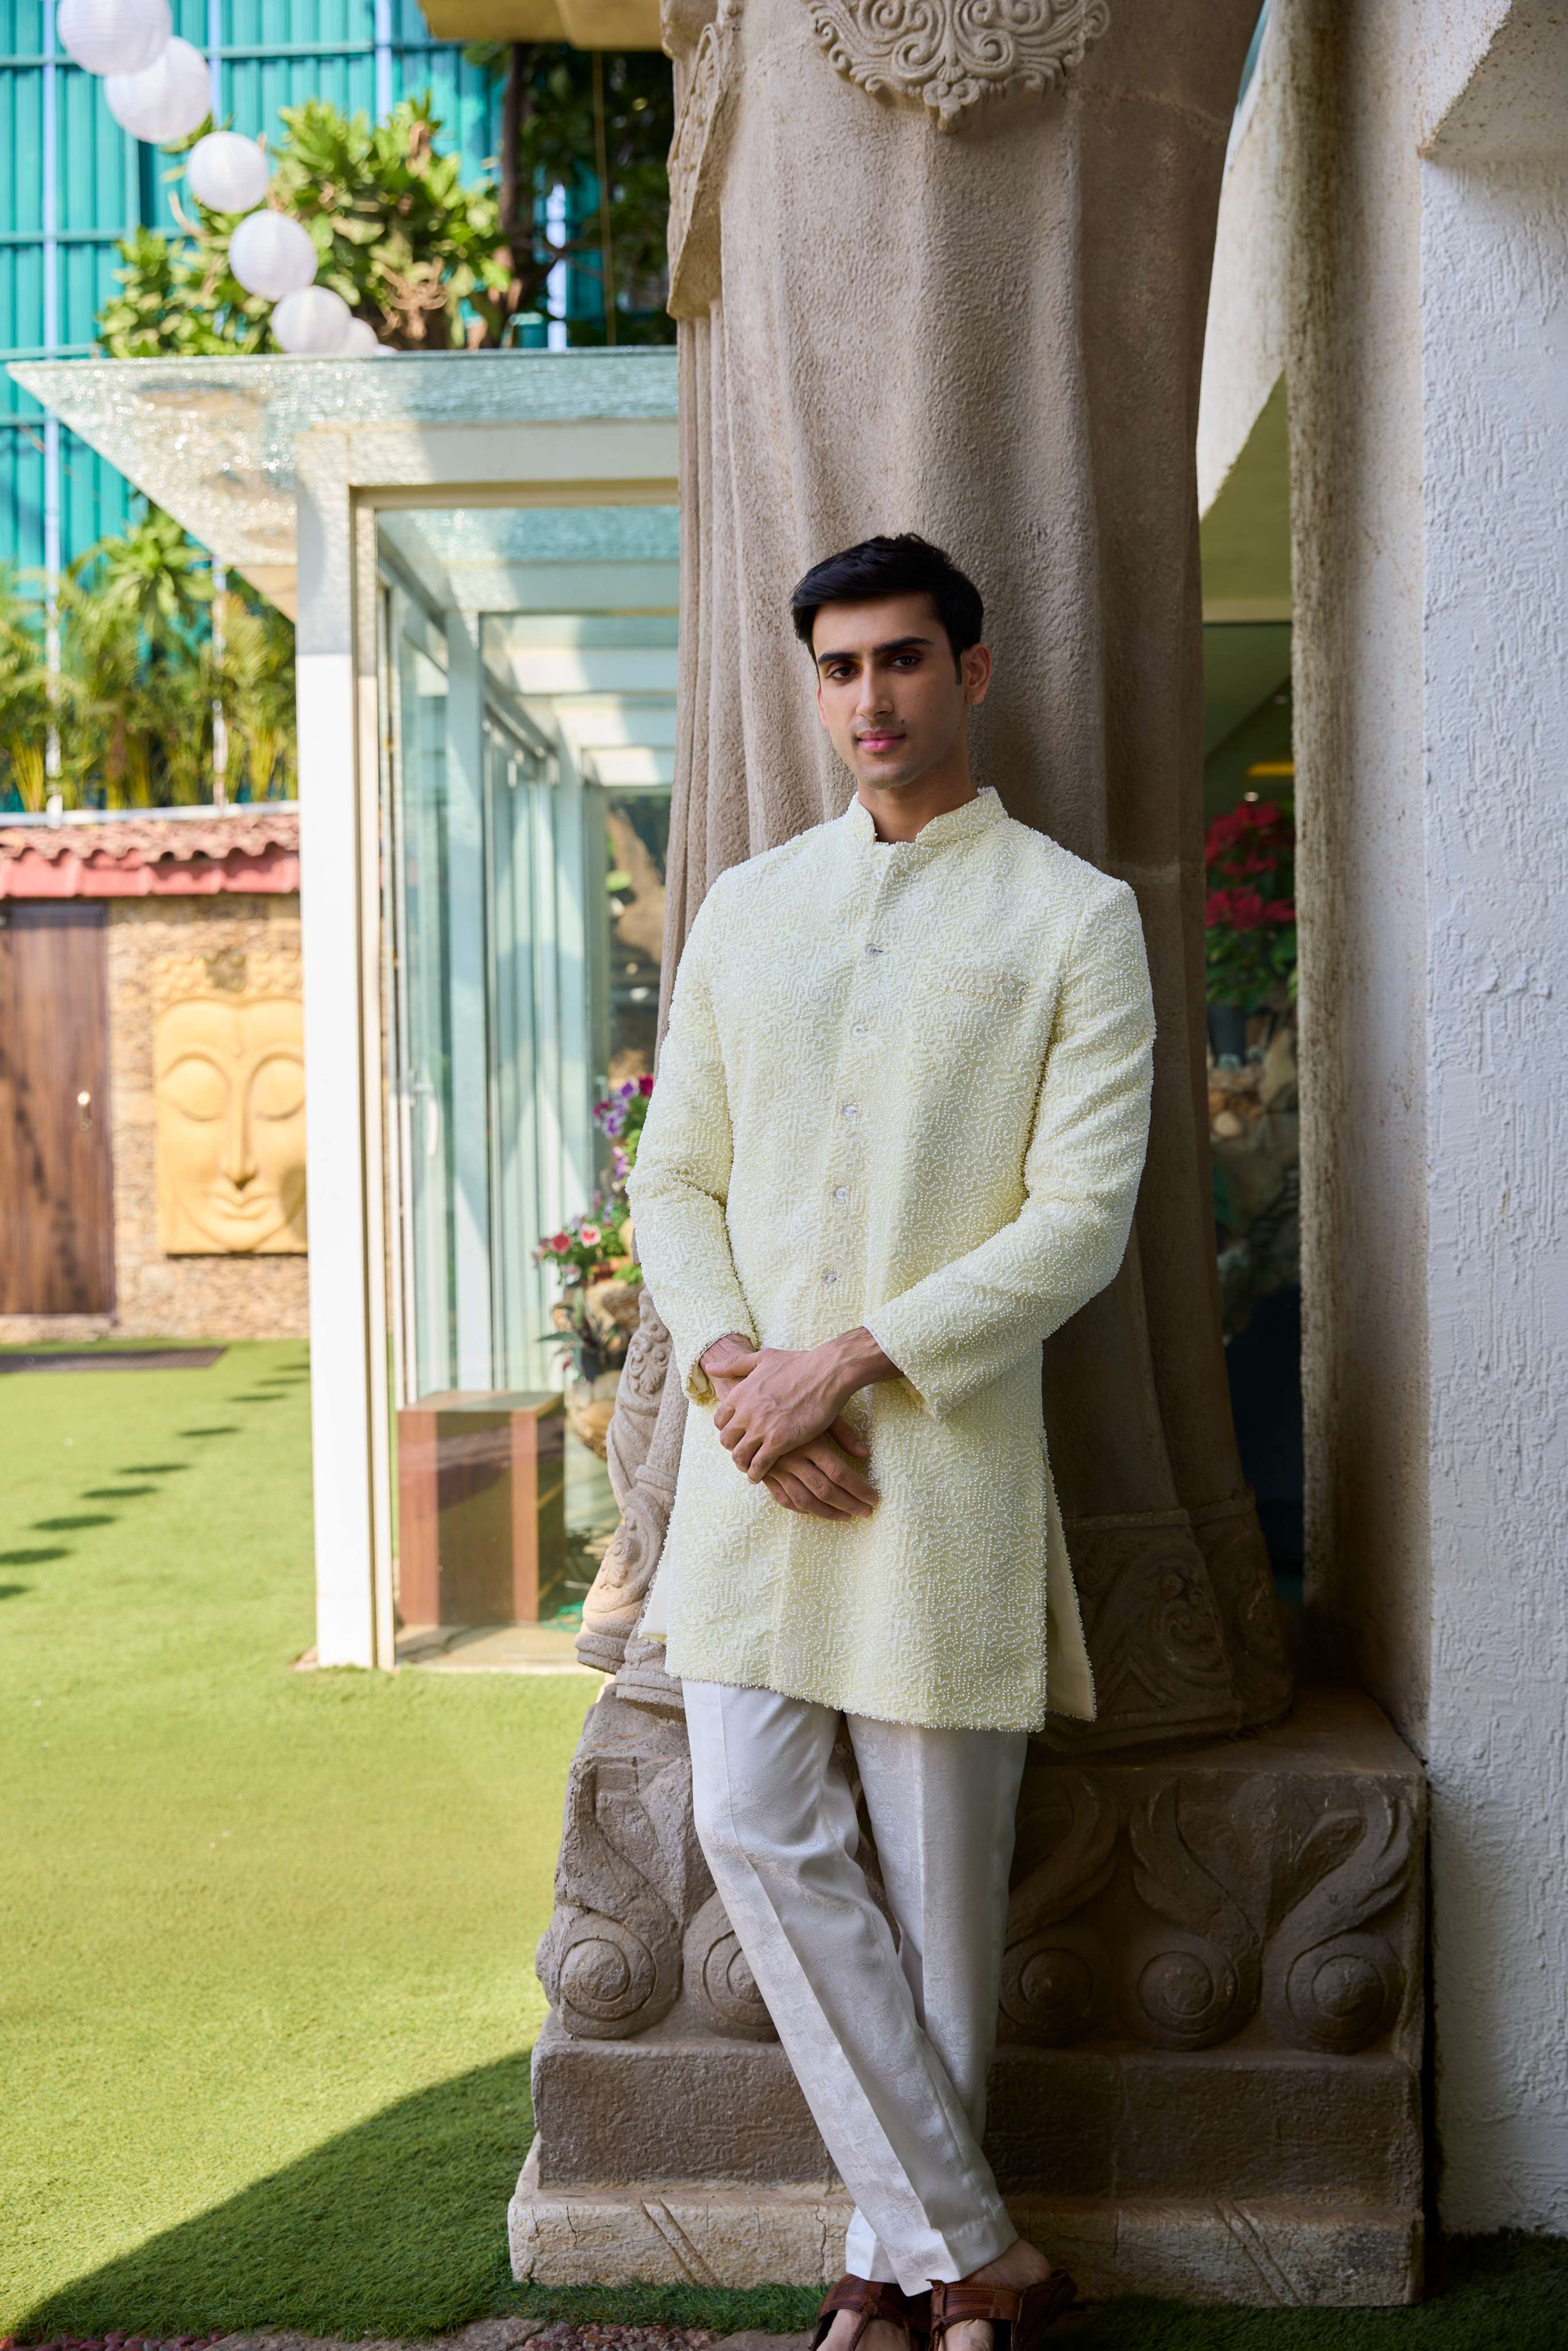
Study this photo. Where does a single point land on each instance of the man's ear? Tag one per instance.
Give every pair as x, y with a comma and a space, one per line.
976, 669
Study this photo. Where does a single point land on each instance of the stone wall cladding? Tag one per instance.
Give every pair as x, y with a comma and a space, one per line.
183, 1297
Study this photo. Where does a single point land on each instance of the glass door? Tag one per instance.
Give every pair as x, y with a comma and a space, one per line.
527, 760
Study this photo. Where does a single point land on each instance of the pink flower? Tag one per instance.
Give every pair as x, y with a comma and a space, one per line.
587, 1233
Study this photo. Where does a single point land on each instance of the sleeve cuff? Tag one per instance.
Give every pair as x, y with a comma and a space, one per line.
694, 1379
923, 1386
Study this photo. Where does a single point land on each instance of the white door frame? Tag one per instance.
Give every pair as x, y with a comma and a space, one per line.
343, 474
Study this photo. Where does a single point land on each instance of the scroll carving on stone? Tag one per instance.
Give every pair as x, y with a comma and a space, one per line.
950, 54
1329, 1983
228, 1085
650, 1415
1200, 1984
1184, 1907
637, 1397
720, 1982
1161, 1656
627, 1880
697, 167
1048, 1987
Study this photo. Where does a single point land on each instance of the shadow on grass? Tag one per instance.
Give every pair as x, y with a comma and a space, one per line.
397, 2227
39, 1555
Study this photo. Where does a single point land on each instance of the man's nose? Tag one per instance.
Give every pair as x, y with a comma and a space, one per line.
875, 695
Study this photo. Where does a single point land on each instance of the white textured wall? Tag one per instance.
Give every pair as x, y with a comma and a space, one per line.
1421, 237
1494, 266
1244, 340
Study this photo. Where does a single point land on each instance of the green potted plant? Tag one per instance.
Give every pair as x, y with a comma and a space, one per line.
1250, 919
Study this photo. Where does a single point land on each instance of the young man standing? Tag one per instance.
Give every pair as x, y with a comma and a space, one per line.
896, 1138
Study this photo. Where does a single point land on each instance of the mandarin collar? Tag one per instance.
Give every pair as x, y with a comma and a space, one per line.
975, 817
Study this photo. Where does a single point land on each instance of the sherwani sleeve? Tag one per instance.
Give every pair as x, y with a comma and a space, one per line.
680, 1184
967, 1321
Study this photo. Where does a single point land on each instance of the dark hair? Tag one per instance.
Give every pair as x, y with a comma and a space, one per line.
907, 565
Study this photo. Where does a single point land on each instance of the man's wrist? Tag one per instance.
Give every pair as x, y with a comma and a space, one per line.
727, 1350
857, 1362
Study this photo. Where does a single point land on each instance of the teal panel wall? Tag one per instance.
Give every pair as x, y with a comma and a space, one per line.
57, 241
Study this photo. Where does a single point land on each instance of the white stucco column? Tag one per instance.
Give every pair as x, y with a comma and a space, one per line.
1393, 235
1426, 243
342, 1064
1494, 389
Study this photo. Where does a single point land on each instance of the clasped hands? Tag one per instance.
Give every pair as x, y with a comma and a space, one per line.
780, 1417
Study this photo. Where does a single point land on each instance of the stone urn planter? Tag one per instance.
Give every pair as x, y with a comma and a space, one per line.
610, 1309
590, 1407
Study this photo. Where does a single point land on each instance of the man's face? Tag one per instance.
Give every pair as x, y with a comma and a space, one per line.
893, 700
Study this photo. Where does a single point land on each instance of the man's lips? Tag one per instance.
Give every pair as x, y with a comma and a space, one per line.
879, 739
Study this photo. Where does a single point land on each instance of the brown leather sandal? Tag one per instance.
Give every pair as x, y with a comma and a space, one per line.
1020, 2317
871, 2299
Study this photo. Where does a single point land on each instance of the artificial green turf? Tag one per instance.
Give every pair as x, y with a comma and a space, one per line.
266, 1984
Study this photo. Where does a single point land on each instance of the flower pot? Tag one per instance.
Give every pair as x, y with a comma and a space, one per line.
1228, 1035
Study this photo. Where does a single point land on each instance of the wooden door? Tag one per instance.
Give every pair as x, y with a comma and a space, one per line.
57, 1225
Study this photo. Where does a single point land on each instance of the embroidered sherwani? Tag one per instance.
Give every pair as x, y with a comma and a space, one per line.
903, 1085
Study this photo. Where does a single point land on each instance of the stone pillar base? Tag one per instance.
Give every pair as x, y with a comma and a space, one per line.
1288, 2252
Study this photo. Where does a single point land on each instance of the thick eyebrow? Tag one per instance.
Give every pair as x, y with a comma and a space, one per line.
893, 646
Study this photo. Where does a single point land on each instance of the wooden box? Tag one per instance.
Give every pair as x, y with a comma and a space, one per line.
481, 1508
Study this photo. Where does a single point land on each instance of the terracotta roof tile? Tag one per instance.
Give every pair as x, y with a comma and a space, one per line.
144, 841
242, 848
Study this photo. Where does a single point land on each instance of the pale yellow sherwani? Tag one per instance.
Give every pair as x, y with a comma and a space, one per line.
904, 1084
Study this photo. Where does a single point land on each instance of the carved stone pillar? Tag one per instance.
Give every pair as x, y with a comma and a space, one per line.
935, 279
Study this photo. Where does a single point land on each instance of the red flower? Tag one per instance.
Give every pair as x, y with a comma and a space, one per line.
645, 1085
1216, 907
1246, 910
1278, 910
559, 1242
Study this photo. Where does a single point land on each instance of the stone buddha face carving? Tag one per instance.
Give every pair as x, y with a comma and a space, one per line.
229, 1086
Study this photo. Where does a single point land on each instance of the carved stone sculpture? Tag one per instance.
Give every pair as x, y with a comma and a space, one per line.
1210, 2004
1213, 1959
949, 54
228, 1057
866, 377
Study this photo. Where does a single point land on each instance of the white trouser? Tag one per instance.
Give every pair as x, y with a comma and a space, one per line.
890, 2042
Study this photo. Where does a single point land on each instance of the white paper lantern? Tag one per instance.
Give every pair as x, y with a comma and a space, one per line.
227, 173
114, 36
272, 254
362, 342
167, 101
315, 320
